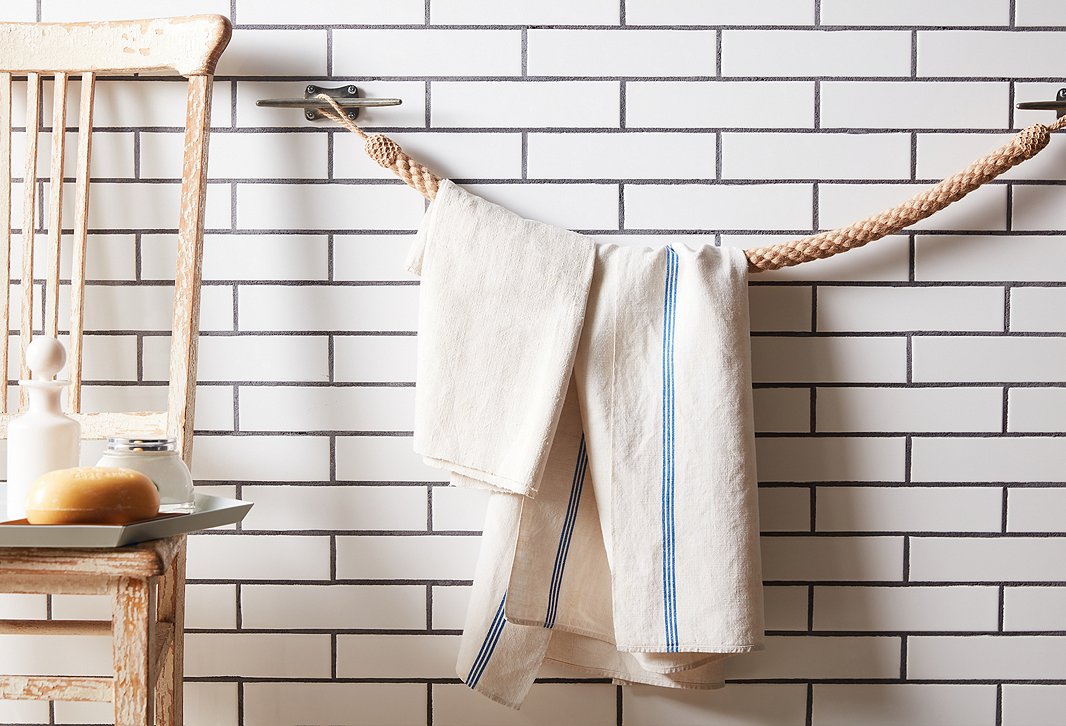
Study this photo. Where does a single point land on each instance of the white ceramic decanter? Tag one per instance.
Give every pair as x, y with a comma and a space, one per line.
42, 438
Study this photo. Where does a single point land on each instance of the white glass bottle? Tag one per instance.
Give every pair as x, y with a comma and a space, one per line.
42, 438
158, 460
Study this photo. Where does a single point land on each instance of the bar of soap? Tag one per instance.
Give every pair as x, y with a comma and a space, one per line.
92, 495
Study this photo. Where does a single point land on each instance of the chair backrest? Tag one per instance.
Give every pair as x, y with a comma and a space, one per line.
189, 47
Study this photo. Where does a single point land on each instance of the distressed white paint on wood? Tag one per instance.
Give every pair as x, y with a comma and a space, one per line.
81, 224
189, 46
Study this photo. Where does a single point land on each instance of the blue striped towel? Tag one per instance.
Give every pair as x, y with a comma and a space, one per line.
622, 534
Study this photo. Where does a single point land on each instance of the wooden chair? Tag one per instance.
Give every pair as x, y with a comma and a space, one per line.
146, 582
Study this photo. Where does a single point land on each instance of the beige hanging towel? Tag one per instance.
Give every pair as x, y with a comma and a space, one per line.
603, 393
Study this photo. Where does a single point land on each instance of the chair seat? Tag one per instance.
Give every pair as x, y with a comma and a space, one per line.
147, 559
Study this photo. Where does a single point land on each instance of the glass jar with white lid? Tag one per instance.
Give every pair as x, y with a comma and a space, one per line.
158, 460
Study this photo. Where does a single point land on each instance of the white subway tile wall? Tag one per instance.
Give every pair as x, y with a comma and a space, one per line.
910, 397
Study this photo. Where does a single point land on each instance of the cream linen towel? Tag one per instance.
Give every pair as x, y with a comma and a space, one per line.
502, 300
638, 558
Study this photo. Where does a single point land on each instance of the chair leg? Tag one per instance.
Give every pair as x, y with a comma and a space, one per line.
168, 693
132, 615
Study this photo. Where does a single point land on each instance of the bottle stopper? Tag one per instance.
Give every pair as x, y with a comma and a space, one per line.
45, 357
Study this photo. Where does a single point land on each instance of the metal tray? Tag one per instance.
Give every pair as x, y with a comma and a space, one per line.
209, 512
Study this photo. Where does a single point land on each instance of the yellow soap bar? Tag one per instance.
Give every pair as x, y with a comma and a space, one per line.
92, 495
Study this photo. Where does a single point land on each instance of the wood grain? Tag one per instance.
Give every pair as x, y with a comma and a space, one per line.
186, 45
79, 241
55, 204
65, 688
131, 617
29, 218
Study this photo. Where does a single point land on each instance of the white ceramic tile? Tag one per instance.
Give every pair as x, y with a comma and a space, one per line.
782, 410
276, 557
816, 53
523, 12
1028, 705
832, 558
574, 206
785, 607
1036, 309
281, 704
983, 559
455, 155
461, 509
431, 557
830, 459
913, 104
815, 156
1039, 208
987, 459
852, 309
911, 608
622, 52
335, 508
449, 606
297, 409
733, 104
990, 258
262, 655
239, 156
327, 12
559, 703
780, 308
916, 12
261, 458
310, 308
919, 509
374, 358
371, 257
1034, 608
985, 656
960, 53
260, 52
621, 156
1035, 510
1038, 12
534, 105
1036, 409
785, 509
427, 52
284, 607
326, 207
757, 12
909, 409
988, 359
396, 656
837, 360
914, 704
71, 10
718, 206
382, 458
819, 657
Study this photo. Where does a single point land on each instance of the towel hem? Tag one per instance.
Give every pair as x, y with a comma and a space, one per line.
627, 679
725, 649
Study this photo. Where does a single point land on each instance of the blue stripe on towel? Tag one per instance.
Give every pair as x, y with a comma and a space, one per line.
567, 533
488, 646
669, 574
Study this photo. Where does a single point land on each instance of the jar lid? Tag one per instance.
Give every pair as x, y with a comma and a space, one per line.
122, 444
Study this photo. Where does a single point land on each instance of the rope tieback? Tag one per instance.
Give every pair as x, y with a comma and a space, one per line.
1025, 145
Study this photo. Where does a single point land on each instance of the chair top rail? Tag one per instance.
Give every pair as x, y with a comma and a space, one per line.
189, 46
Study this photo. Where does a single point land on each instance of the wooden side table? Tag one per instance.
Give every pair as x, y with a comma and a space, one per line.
146, 584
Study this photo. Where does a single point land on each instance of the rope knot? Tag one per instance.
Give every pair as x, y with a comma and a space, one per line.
1033, 138
382, 149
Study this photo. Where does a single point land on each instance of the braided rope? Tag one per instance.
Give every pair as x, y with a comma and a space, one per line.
1025, 145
